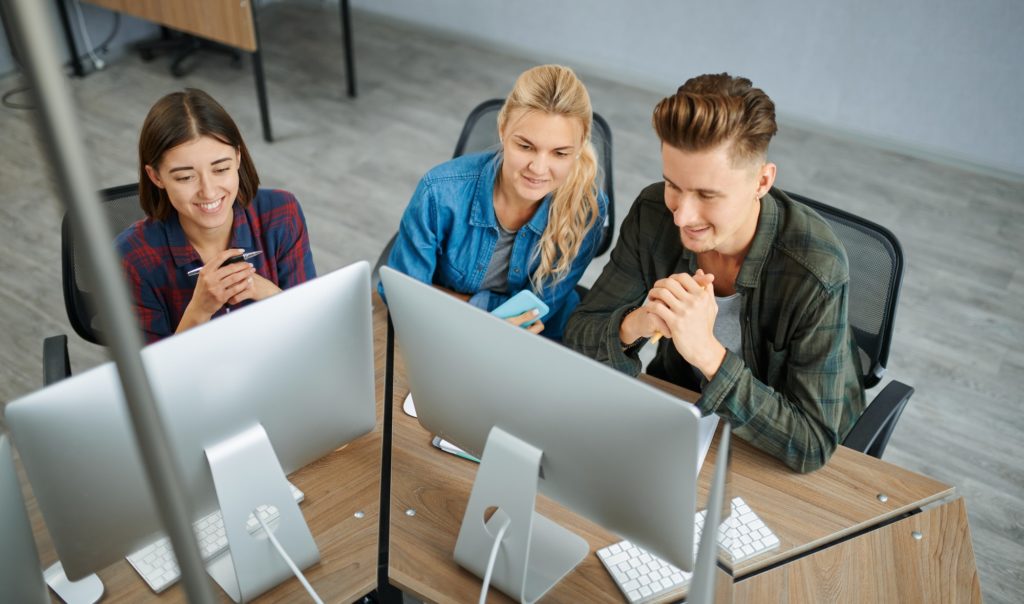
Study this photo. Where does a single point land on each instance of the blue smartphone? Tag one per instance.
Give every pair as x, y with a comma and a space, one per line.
518, 304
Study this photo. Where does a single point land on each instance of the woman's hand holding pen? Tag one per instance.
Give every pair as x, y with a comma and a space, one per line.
217, 285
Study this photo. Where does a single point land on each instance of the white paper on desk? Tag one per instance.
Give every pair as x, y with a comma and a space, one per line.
408, 406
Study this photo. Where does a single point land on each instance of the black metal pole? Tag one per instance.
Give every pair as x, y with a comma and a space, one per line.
386, 594
346, 39
261, 85
69, 37
261, 95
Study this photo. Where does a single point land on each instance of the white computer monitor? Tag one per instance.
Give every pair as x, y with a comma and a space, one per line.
244, 399
610, 447
21, 578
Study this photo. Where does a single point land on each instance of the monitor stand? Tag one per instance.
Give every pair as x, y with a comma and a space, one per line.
535, 553
87, 590
247, 474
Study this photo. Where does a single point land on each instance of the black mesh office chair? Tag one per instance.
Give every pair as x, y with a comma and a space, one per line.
876, 273
480, 133
121, 207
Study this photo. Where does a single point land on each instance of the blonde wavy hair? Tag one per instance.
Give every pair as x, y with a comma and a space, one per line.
555, 90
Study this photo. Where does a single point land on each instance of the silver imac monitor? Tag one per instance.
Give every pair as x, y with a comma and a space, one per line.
610, 447
245, 399
21, 578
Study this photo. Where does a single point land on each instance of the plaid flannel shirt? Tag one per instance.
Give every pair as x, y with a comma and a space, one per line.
156, 256
796, 390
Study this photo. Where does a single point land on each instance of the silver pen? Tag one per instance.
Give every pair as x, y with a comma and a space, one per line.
231, 260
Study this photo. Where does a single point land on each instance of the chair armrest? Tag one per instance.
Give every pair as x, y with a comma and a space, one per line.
872, 431
56, 363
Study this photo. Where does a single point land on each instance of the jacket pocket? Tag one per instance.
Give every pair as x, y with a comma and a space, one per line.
451, 276
775, 373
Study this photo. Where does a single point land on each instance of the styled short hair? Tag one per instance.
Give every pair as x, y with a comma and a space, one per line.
714, 109
178, 118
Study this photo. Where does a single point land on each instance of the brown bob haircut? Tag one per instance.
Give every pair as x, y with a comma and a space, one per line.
178, 118
714, 109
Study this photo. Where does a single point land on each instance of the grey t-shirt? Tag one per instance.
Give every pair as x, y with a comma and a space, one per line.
727, 325
496, 278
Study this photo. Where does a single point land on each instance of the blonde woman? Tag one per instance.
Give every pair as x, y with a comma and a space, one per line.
483, 227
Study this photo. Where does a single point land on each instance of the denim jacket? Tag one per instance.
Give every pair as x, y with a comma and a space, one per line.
449, 230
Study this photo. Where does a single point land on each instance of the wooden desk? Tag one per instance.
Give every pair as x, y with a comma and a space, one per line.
336, 486
839, 540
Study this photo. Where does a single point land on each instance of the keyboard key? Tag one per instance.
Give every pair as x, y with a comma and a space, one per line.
617, 559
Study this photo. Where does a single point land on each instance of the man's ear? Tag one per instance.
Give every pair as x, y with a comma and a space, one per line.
766, 178
154, 177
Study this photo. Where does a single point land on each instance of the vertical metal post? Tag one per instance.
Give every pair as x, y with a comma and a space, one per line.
711, 582
261, 85
386, 594
346, 40
69, 37
59, 127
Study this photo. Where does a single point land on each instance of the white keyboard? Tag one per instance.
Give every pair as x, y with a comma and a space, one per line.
156, 562
644, 577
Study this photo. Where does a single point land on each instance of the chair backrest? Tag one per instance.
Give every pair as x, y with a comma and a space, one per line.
121, 207
876, 273
480, 133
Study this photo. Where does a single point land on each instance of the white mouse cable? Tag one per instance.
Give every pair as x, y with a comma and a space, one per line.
491, 560
96, 60
280, 550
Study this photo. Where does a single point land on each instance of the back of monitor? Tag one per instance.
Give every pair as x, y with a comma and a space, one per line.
21, 578
614, 449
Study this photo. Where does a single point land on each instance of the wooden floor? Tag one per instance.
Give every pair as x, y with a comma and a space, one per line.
354, 163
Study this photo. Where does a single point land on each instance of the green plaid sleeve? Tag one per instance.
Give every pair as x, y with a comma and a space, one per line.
593, 329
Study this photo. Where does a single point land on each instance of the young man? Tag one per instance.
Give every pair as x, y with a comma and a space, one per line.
746, 288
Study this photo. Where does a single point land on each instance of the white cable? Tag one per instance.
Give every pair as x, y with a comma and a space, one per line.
491, 560
96, 61
295, 571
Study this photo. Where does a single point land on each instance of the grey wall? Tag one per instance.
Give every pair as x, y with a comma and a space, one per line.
99, 23
932, 77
